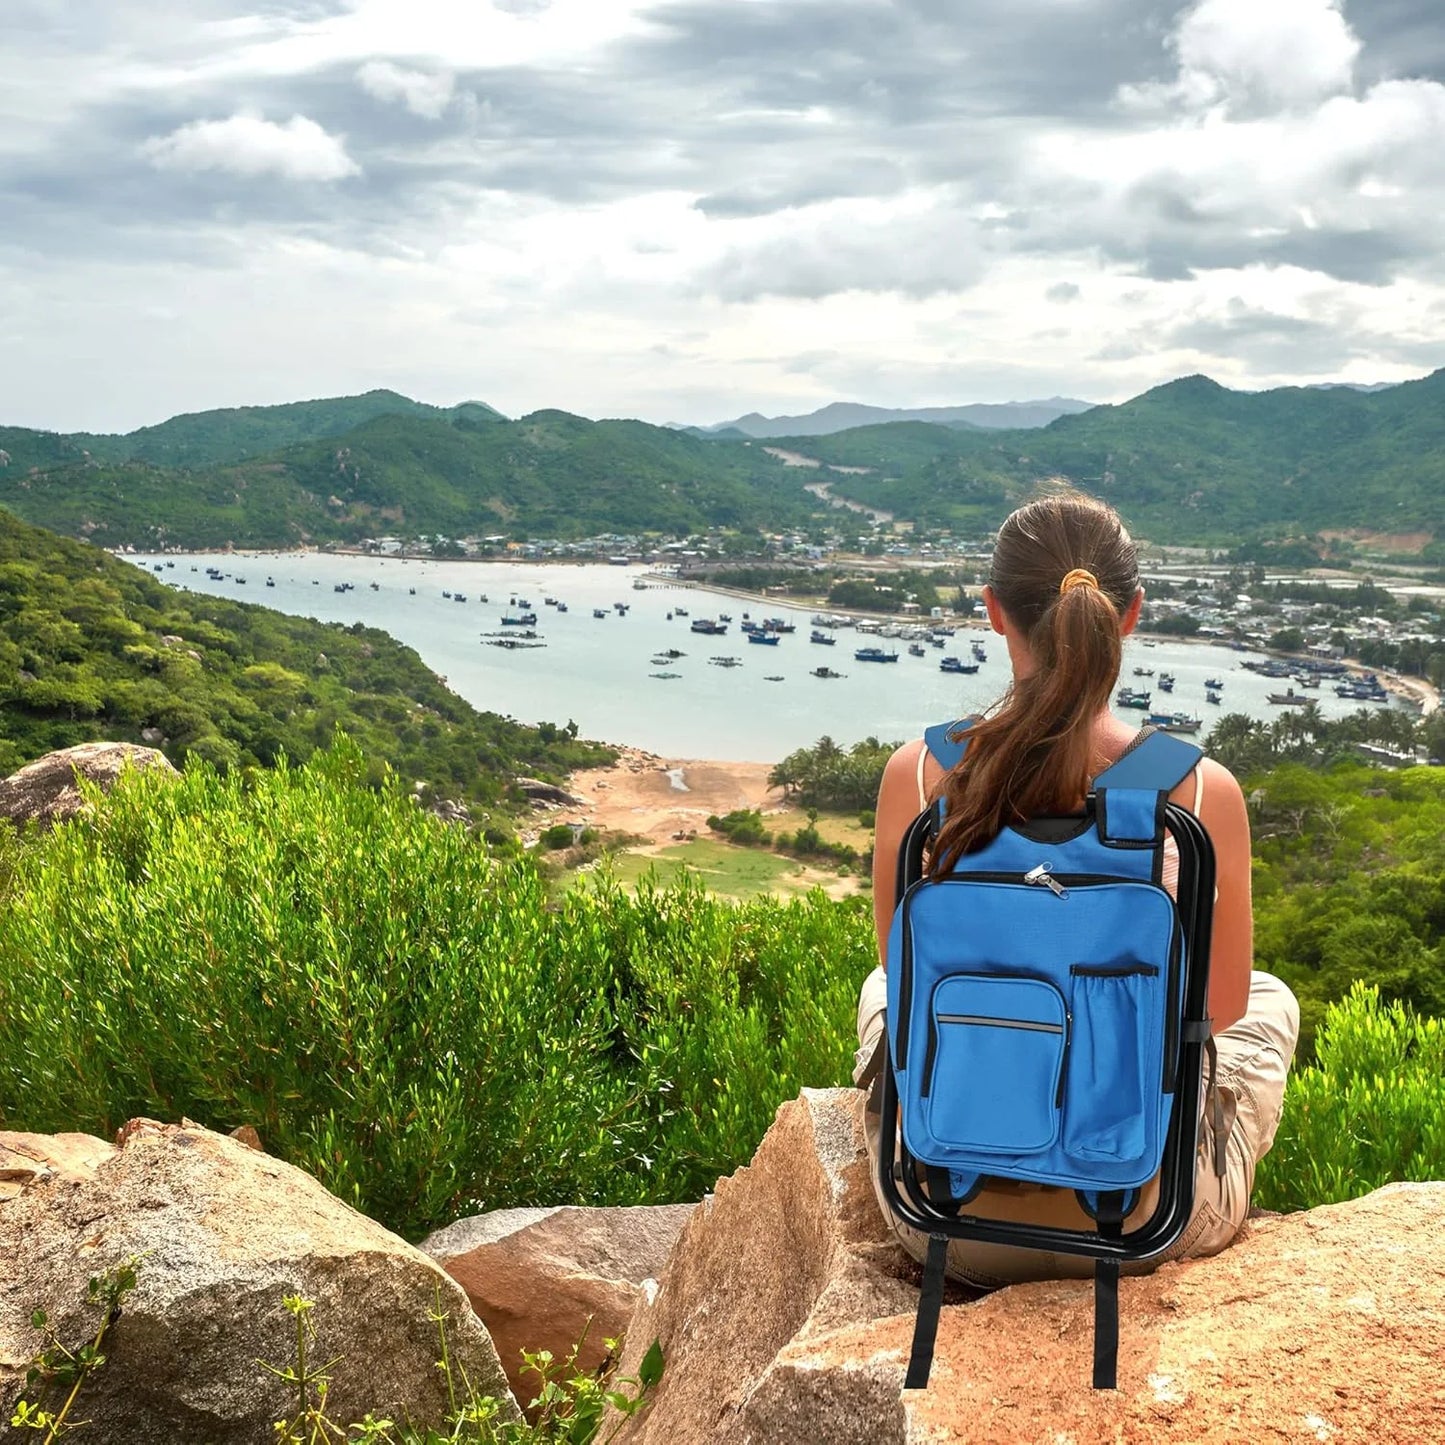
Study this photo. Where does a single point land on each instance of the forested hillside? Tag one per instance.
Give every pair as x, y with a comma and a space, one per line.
1189, 461
549, 474
231, 434
90, 648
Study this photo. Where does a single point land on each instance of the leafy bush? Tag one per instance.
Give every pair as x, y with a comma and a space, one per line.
1371, 1110
742, 825
397, 1010
559, 835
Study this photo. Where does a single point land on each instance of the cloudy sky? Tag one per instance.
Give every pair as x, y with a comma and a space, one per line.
686, 209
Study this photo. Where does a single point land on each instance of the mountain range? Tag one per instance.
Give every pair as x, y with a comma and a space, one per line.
842, 416
1189, 461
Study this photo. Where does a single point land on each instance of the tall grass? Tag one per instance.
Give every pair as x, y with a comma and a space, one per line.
398, 1012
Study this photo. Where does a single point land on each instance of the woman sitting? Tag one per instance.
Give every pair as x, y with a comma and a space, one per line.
1063, 593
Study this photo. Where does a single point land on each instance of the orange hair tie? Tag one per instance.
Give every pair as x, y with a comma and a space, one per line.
1079, 577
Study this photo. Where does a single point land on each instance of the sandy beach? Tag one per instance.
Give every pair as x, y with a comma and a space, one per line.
664, 799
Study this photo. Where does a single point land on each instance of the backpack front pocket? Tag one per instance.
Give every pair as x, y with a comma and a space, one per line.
993, 1073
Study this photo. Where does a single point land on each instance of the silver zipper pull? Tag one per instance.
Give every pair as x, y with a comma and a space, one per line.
1043, 877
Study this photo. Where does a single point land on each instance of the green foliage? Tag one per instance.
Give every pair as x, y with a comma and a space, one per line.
742, 825
827, 776
91, 648
1368, 1111
321, 959
56, 1367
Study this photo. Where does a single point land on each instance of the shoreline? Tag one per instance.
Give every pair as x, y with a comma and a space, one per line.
1417, 691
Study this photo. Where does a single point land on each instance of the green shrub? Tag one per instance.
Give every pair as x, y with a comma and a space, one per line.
559, 835
1370, 1110
742, 825
396, 1009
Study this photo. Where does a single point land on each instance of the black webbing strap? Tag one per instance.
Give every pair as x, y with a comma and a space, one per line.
1110, 1217
930, 1303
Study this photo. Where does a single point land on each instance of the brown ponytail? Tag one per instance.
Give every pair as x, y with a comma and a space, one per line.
1065, 572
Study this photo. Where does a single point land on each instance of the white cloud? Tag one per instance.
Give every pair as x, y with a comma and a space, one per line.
1257, 55
424, 93
246, 145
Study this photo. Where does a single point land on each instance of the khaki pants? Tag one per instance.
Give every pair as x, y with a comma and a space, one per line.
1253, 1058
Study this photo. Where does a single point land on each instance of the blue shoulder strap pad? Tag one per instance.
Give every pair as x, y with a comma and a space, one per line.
940, 742
1161, 762
1129, 796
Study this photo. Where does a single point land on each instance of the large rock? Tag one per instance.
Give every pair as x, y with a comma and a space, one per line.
45, 791
540, 1277
784, 1315
226, 1233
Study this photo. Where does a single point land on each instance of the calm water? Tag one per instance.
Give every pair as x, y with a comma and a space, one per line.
596, 671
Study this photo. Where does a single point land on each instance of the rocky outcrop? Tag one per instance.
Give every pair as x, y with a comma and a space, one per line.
225, 1232
539, 792
540, 1277
786, 1314
45, 791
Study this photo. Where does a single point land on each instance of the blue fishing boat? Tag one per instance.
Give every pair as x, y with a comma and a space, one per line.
823, 638
957, 664
766, 639
874, 654
1127, 697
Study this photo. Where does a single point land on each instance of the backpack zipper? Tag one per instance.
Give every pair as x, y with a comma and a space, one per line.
1041, 875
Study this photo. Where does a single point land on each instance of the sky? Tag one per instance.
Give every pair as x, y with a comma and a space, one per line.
682, 210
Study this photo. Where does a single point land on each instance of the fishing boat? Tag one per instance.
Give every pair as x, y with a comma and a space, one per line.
957, 664
724, 617
1174, 722
874, 654
775, 678
411, 591
766, 639
708, 626
599, 612
779, 624
979, 653
916, 649
682, 612
561, 606
549, 602
825, 672
672, 653
1166, 682
822, 638
1127, 697
1143, 672
1211, 695
375, 586
524, 619
462, 597
621, 608
1288, 698
1217, 683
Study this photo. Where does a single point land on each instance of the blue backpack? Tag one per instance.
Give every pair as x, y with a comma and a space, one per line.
1047, 1016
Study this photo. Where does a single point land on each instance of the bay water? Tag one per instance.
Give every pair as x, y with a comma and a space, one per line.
598, 671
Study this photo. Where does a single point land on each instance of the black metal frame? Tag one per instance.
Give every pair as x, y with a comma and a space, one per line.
1195, 902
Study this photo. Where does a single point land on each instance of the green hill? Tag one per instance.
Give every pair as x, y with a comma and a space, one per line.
91, 648
231, 434
1188, 461
549, 474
